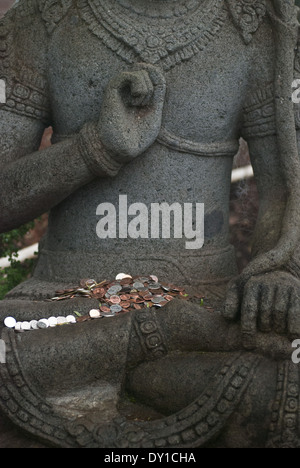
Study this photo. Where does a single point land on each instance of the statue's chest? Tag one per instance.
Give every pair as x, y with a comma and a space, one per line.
201, 69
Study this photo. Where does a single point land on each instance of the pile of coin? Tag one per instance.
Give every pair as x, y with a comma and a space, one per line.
125, 293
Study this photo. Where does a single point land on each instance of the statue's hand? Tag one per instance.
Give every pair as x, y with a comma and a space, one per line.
268, 303
131, 113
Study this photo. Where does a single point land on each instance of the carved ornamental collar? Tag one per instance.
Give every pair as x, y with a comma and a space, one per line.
170, 34
168, 38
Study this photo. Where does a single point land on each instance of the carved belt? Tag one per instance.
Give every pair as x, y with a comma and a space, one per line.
170, 140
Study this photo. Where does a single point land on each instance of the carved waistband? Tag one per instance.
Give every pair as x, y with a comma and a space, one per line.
171, 141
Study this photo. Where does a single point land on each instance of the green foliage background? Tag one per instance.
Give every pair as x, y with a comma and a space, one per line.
17, 272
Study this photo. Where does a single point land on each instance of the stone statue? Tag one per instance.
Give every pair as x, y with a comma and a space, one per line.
149, 99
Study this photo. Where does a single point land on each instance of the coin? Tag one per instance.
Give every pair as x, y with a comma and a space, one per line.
138, 300
114, 289
157, 299
115, 308
10, 322
161, 304
125, 297
168, 297
33, 324
122, 276
125, 304
94, 313
61, 320
71, 319
45, 321
154, 286
41, 324
107, 314
138, 285
154, 278
148, 297
25, 326
104, 309
52, 322
18, 327
144, 279
115, 299
87, 283
99, 292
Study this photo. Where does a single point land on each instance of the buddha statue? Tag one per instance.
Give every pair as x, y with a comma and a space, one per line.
148, 101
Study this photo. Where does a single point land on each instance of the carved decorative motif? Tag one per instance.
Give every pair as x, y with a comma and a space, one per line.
150, 335
247, 16
26, 88
6, 44
27, 94
53, 11
259, 113
285, 415
23, 404
194, 426
176, 37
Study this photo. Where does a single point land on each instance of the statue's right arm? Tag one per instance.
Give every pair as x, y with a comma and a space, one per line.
31, 181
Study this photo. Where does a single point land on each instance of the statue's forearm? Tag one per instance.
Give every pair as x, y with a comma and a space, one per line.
35, 183
272, 193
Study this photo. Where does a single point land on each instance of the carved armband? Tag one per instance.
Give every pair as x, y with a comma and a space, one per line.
24, 75
94, 154
259, 114
150, 335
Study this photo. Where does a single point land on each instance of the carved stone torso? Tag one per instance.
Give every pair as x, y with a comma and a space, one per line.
188, 45
203, 48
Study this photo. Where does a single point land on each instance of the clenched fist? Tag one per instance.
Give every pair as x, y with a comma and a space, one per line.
131, 113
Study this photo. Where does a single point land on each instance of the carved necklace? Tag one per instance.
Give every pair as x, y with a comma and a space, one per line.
168, 35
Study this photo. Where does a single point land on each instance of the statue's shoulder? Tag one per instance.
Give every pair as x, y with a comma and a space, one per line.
248, 16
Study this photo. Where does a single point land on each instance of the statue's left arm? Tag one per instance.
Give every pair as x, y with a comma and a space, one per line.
269, 299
